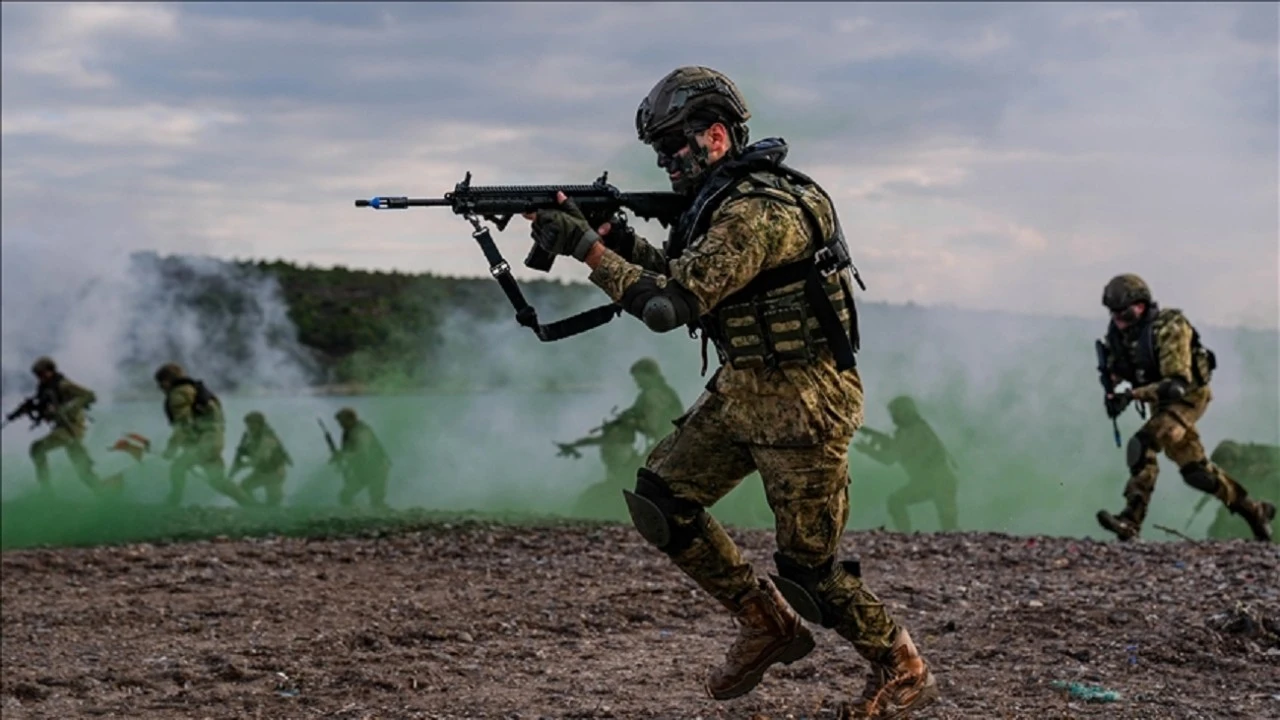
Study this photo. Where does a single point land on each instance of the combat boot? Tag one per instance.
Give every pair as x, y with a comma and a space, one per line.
897, 686
769, 632
1259, 514
1122, 525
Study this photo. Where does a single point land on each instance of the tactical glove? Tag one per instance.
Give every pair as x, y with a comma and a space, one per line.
1116, 404
564, 231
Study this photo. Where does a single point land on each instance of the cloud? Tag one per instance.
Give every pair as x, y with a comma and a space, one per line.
990, 156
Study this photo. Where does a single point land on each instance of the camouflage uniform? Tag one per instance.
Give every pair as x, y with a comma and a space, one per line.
651, 415
260, 449
1159, 353
199, 434
785, 401
365, 463
657, 406
1256, 464
926, 461
63, 404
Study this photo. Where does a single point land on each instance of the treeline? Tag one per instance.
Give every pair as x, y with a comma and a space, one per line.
352, 326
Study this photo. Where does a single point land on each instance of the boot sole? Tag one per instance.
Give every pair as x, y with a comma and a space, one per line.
787, 654
927, 696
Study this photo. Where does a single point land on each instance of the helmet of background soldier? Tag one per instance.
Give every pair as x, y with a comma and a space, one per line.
346, 416
169, 372
646, 366
1125, 290
255, 420
903, 410
1226, 454
43, 365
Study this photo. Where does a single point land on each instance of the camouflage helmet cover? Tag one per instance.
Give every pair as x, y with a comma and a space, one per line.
346, 414
168, 372
685, 92
646, 366
254, 418
1125, 290
44, 364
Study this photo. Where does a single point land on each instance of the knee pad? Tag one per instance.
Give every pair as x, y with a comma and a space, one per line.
1200, 476
1136, 451
667, 522
799, 585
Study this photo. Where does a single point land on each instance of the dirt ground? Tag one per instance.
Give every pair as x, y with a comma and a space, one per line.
481, 621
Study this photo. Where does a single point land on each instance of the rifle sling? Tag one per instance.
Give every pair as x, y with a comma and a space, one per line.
526, 315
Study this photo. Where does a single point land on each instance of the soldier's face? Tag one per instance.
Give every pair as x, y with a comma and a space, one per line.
43, 375
677, 157
1128, 316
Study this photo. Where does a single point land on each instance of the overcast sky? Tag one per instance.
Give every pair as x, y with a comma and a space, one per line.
988, 156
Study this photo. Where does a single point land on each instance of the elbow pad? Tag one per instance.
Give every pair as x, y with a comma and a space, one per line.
1172, 390
660, 302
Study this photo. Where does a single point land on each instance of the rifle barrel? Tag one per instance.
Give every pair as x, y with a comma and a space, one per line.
402, 203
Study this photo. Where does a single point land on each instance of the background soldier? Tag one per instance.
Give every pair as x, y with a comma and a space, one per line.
1256, 464
199, 433
657, 406
364, 462
759, 264
929, 467
1158, 352
62, 404
616, 438
260, 449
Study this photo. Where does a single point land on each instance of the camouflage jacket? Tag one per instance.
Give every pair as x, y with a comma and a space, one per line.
193, 422
800, 405
64, 402
917, 448
1163, 345
361, 450
655, 408
262, 451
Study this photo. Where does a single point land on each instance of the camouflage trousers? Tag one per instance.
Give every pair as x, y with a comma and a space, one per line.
71, 440
271, 480
942, 493
205, 454
357, 480
807, 489
1172, 429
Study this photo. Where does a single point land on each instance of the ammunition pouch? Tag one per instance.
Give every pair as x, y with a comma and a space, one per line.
1200, 476
801, 586
665, 521
751, 330
1136, 452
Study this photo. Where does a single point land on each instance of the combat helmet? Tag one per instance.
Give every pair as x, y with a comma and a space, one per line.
1125, 290
691, 94
169, 372
903, 409
44, 364
646, 366
345, 416
254, 419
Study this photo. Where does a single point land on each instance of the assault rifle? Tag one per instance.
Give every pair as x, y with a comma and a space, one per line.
334, 455
595, 436
600, 202
32, 407
1109, 389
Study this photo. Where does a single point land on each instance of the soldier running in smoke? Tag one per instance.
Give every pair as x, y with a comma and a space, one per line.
760, 266
364, 463
651, 416
199, 432
60, 403
1158, 352
929, 467
260, 450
